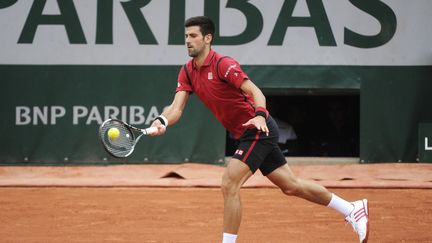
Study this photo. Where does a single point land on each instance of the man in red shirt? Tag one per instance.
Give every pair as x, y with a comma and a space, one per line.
240, 106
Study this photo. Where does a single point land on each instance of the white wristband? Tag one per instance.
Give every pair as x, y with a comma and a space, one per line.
165, 120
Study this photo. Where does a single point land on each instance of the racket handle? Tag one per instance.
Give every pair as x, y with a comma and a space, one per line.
150, 130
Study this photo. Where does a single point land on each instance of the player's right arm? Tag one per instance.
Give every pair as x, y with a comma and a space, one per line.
172, 112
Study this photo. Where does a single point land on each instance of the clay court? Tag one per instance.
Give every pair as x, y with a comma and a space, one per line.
344, 89
182, 203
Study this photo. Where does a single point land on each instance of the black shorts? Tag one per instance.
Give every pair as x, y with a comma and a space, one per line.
260, 151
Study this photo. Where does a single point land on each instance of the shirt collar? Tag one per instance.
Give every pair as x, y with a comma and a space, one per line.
207, 61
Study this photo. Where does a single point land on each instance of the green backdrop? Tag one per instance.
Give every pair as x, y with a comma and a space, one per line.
394, 101
197, 137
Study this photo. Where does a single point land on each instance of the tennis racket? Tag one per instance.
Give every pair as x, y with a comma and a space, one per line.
123, 145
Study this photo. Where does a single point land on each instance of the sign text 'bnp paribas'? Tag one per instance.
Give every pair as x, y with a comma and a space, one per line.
51, 115
317, 20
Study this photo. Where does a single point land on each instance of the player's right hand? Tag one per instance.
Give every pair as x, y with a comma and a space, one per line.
161, 129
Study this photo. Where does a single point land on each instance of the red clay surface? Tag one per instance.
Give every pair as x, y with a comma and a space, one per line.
182, 203
140, 214
388, 175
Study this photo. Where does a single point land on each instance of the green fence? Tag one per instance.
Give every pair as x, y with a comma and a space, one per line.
394, 102
51, 115
67, 65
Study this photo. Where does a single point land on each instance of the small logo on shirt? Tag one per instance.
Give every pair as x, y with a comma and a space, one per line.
229, 69
210, 76
239, 152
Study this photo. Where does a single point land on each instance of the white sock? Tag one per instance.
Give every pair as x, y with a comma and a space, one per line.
229, 238
340, 205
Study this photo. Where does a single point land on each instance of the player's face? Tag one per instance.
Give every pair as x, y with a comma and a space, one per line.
195, 41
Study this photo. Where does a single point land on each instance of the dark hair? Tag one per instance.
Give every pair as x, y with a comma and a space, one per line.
205, 23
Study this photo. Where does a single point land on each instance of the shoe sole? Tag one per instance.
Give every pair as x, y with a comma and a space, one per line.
366, 207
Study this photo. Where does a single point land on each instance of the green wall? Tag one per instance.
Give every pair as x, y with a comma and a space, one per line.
197, 137
394, 101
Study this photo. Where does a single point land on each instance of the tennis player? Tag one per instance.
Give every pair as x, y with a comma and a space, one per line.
240, 106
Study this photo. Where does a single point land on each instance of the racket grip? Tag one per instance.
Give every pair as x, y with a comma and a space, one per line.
150, 130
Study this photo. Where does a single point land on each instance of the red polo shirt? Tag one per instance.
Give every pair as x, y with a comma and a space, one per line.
231, 106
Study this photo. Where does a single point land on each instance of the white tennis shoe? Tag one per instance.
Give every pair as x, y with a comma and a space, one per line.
359, 219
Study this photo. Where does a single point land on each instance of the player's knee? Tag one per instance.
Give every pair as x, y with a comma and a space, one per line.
291, 192
293, 188
229, 188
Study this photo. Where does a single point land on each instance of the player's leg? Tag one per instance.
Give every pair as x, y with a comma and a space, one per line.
356, 213
235, 175
248, 157
277, 171
294, 186
274, 166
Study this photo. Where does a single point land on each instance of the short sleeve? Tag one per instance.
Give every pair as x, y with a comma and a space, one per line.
183, 83
230, 71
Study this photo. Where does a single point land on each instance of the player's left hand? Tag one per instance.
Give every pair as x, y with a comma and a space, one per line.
259, 122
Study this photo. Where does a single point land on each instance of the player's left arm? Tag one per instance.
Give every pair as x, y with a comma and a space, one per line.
259, 99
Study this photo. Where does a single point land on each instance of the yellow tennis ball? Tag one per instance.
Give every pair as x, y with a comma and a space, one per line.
113, 133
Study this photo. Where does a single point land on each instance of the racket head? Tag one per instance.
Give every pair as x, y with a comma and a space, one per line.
124, 144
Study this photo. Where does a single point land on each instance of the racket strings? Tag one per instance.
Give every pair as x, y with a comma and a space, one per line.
121, 146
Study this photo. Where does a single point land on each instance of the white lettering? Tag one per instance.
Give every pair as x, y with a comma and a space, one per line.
111, 112
42, 114
57, 112
427, 147
136, 115
94, 116
50, 115
78, 112
123, 113
22, 115
153, 113
229, 69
